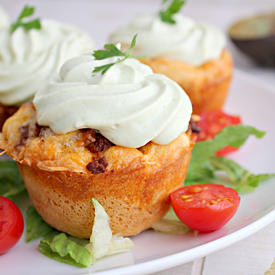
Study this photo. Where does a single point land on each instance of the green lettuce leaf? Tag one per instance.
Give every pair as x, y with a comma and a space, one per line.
199, 167
204, 164
36, 227
57, 245
75, 251
62, 248
11, 183
243, 180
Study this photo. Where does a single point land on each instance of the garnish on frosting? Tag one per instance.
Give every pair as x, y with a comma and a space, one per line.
112, 50
167, 14
129, 105
21, 22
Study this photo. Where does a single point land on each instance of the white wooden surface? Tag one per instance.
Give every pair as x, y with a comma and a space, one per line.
254, 255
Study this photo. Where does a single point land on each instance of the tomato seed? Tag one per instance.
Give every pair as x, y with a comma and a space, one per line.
188, 200
195, 189
186, 196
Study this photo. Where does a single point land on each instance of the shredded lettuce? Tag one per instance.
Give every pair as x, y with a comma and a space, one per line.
102, 234
102, 242
170, 224
74, 251
204, 165
119, 245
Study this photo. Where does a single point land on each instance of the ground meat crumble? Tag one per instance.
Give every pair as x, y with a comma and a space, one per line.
96, 144
31, 131
93, 141
97, 166
194, 126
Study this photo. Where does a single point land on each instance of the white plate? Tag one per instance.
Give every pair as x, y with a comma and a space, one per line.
155, 251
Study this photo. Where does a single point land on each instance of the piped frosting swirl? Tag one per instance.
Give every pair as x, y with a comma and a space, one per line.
4, 18
129, 104
29, 58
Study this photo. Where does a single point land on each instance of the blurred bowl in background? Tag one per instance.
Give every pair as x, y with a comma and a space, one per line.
255, 37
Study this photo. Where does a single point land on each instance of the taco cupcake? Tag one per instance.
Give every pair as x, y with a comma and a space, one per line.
122, 137
30, 56
192, 54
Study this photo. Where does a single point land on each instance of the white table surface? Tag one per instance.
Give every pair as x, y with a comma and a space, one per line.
254, 255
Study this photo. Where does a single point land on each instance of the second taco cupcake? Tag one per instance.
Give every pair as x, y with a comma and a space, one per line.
192, 54
30, 56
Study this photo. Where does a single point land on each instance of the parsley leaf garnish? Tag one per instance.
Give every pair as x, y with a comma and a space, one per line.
111, 50
167, 14
26, 12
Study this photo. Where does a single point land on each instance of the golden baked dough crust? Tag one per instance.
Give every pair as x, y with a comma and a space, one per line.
207, 85
134, 190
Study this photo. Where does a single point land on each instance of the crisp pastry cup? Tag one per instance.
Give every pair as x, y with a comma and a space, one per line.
206, 85
134, 189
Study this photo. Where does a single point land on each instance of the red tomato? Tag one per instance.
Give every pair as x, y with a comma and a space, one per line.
205, 207
211, 123
11, 224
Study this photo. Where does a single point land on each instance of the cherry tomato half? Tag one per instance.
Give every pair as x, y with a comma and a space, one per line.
11, 224
212, 122
205, 207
